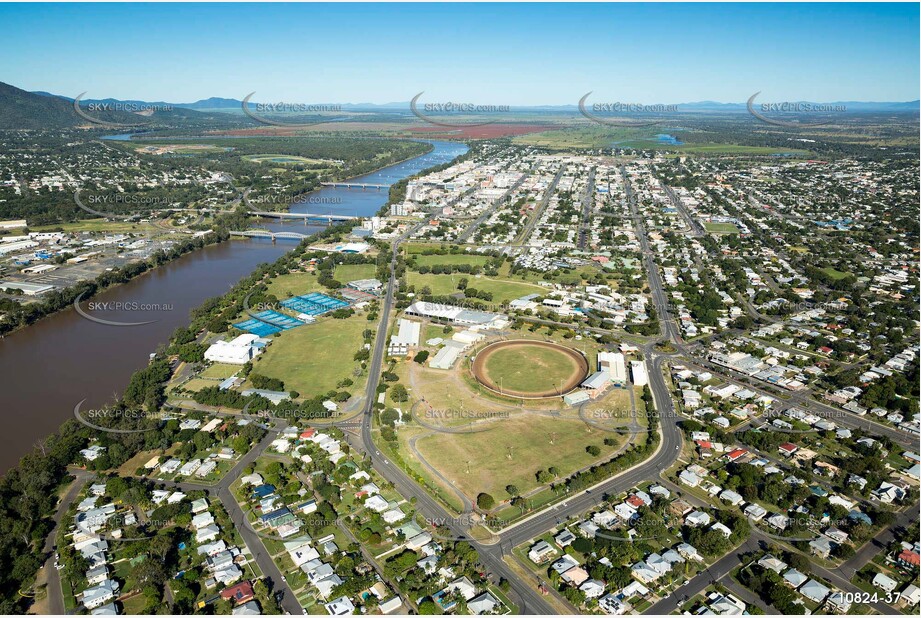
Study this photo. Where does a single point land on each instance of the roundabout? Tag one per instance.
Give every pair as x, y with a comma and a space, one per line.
529, 369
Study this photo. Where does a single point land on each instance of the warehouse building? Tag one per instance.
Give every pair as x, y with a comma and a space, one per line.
238, 351
640, 377
29, 289
407, 337
458, 315
615, 365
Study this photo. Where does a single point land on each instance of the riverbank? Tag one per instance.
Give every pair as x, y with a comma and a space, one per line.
64, 358
33, 313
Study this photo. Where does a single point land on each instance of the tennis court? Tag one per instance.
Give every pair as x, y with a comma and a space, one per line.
268, 323
314, 303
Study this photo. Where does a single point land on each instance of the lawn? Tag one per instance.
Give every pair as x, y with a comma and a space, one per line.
529, 368
298, 284
501, 290
312, 359
721, 228
99, 225
220, 371
196, 384
833, 273
351, 272
293, 284
512, 453
282, 158
444, 260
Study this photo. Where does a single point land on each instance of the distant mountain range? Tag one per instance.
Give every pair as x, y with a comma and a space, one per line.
236, 105
20, 109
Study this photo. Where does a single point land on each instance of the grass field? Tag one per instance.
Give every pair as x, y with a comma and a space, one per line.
432, 260
220, 371
527, 437
529, 368
312, 359
351, 272
501, 290
589, 136
833, 273
597, 136
99, 225
196, 384
721, 228
298, 284
282, 158
293, 284
737, 149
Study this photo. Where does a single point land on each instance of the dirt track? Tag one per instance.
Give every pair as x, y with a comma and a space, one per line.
478, 368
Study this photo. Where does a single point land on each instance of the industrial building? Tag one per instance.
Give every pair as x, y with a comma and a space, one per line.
640, 377
238, 351
369, 286
447, 355
458, 315
29, 289
406, 337
615, 365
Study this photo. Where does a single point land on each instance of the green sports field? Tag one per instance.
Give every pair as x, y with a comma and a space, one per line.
312, 359
721, 228
501, 290
529, 369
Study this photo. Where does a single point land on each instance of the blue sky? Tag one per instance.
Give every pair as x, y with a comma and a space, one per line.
515, 54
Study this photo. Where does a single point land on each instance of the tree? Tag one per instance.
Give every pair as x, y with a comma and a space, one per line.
389, 417
421, 356
485, 501
512, 490
399, 393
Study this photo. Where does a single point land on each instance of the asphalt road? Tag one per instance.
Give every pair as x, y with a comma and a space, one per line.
528, 228
527, 597
253, 541
52, 575
473, 227
698, 583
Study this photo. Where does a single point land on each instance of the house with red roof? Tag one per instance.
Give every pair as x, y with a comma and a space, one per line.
238, 593
787, 449
634, 501
909, 558
736, 454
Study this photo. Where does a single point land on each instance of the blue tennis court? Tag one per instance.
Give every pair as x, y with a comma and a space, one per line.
280, 320
314, 303
268, 323
257, 328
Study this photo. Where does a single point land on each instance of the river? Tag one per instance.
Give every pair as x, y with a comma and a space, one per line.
50, 366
